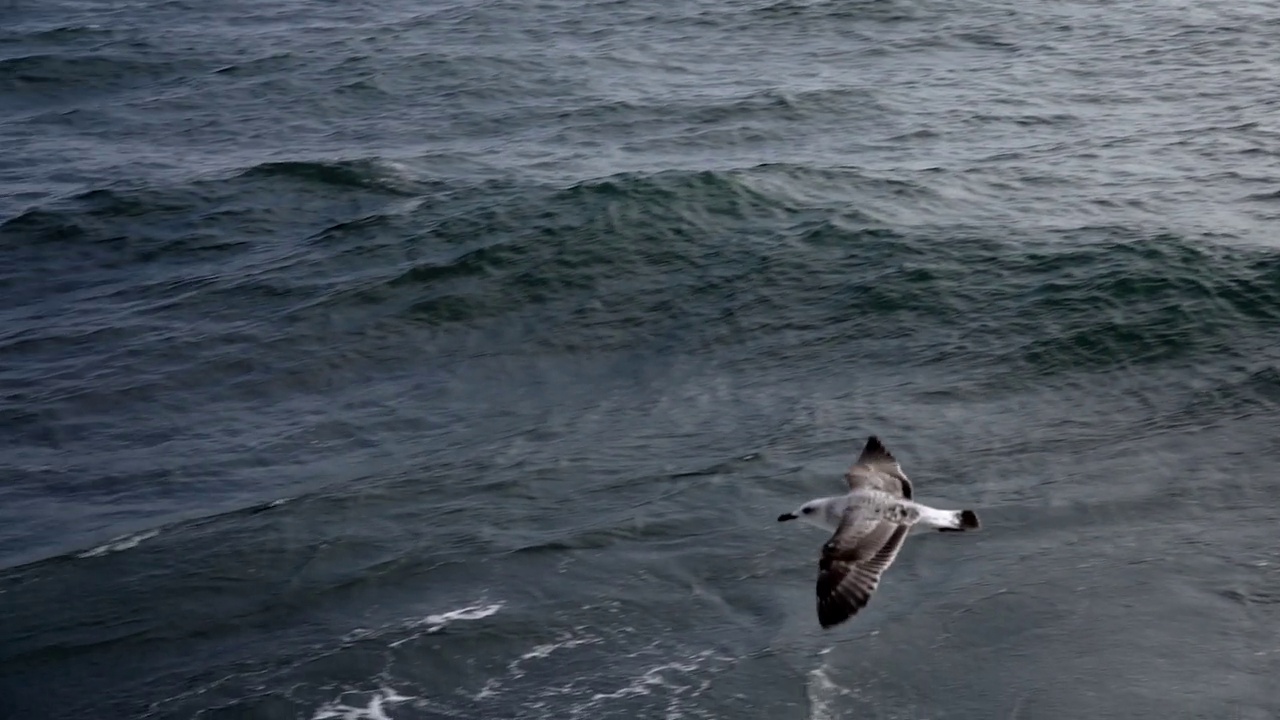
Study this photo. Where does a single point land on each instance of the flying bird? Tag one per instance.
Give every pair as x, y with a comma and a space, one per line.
868, 526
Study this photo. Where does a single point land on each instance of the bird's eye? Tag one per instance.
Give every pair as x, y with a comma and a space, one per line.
806, 511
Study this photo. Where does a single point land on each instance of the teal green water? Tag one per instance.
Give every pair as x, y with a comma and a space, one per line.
454, 361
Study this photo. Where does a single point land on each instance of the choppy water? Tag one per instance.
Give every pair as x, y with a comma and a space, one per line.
452, 360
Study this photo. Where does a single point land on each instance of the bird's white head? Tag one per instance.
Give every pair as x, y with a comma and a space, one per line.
815, 512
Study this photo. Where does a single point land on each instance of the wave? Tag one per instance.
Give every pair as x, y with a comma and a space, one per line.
727, 256
33, 80
119, 544
363, 173
818, 256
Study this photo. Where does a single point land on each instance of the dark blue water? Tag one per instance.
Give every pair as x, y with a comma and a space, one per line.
453, 360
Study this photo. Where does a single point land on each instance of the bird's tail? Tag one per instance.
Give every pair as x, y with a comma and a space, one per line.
948, 520
961, 520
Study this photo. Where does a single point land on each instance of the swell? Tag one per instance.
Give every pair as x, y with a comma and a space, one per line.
1142, 300
62, 79
77, 71
784, 259
726, 257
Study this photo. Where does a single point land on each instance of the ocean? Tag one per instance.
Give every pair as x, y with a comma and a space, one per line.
454, 359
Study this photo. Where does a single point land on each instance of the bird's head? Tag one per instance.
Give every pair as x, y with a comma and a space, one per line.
810, 512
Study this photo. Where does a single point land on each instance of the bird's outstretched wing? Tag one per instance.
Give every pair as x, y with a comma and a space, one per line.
876, 469
852, 561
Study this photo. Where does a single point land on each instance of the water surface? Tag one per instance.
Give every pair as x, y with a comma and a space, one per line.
453, 360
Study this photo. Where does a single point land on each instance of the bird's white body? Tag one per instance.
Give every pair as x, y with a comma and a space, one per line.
875, 504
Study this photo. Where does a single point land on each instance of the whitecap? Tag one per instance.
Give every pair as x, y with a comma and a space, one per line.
435, 623
375, 709
823, 692
119, 543
515, 668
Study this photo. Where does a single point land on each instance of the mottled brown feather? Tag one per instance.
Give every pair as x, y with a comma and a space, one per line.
851, 565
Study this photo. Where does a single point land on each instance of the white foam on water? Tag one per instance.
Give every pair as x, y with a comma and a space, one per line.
436, 623
515, 668
425, 626
119, 543
472, 612
823, 691
675, 682
542, 651
375, 709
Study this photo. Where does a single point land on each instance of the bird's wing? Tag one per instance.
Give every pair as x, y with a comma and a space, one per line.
876, 469
859, 551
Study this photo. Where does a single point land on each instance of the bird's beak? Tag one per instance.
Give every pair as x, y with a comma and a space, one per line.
786, 516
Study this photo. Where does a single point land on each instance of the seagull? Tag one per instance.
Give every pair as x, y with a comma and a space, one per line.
868, 526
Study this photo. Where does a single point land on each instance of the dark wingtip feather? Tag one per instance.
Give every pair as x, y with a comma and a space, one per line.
833, 611
875, 451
